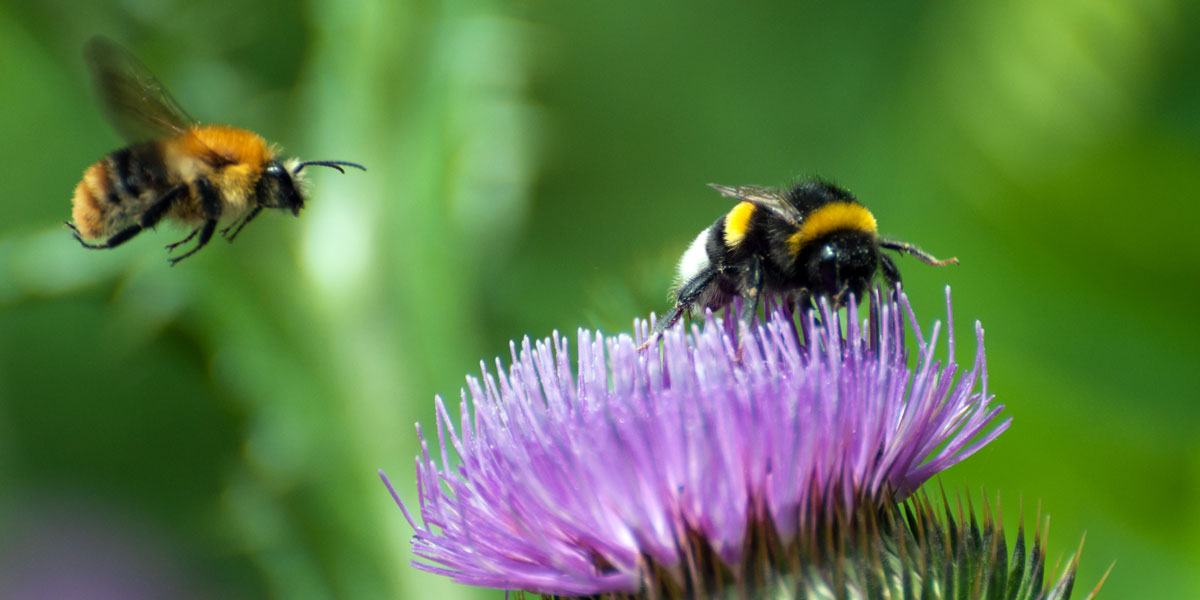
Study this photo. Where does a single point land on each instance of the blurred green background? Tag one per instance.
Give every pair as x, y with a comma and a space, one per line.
214, 429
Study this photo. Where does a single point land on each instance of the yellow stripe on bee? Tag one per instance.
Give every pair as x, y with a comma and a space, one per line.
736, 223
828, 219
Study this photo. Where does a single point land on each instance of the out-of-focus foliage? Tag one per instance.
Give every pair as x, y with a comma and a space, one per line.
215, 427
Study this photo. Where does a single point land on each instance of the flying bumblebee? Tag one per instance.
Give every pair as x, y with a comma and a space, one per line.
175, 168
814, 239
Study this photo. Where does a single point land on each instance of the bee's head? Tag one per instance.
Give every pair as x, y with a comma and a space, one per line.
282, 186
840, 264
277, 188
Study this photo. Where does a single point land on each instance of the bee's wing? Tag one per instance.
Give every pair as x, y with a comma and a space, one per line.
137, 104
768, 198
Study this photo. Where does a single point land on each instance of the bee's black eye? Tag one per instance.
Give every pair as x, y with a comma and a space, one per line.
276, 190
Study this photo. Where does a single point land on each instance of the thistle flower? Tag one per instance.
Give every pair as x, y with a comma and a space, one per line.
696, 468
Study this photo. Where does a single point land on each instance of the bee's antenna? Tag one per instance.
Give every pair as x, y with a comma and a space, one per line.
333, 164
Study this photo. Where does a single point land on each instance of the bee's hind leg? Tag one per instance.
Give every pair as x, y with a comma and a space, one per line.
687, 296
664, 322
113, 240
148, 219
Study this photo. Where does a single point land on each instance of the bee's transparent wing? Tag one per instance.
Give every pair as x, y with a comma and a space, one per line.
137, 104
769, 198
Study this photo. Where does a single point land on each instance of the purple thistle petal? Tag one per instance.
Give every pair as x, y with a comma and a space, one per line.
598, 480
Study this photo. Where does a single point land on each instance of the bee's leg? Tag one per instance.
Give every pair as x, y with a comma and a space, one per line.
206, 233
684, 300
804, 301
665, 322
249, 217
890, 273
908, 248
118, 237
148, 219
237, 224
185, 240
211, 203
752, 296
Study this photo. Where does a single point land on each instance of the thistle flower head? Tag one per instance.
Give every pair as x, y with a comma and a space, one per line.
626, 471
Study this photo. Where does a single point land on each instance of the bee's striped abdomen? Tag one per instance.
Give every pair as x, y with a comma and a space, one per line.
117, 188
90, 201
135, 170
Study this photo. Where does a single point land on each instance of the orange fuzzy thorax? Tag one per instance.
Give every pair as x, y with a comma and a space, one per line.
246, 152
237, 145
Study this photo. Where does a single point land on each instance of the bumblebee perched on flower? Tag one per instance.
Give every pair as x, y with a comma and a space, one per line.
175, 169
814, 239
